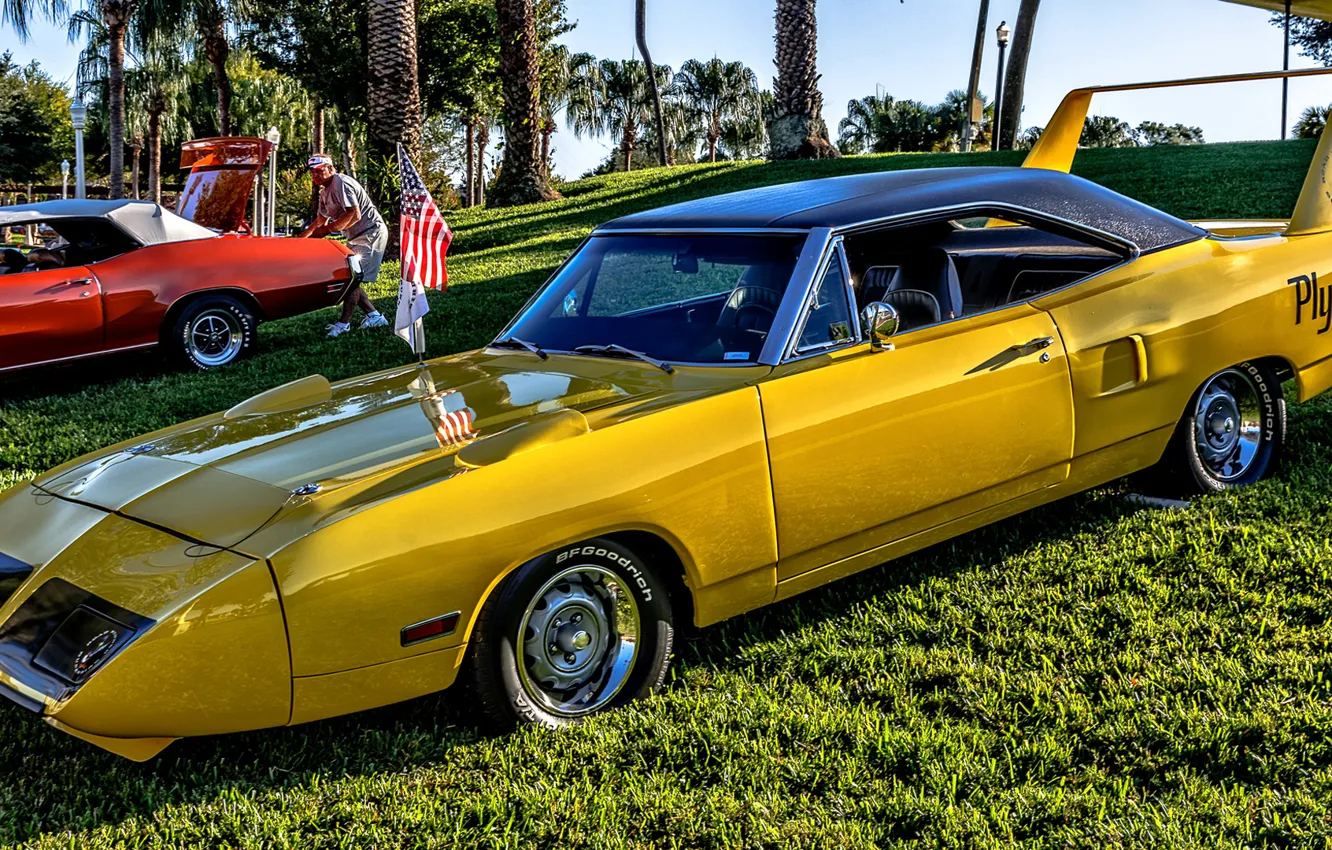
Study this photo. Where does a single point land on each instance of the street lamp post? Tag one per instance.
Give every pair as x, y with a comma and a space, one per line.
1285, 81
1002, 34
78, 115
273, 137
973, 85
64, 179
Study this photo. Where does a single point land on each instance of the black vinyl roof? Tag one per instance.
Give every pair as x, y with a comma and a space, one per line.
844, 201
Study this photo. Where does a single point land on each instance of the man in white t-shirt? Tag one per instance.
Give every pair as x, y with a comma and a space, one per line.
345, 206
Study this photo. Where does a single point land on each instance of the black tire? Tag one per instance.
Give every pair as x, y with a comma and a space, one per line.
213, 331
503, 669
1201, 457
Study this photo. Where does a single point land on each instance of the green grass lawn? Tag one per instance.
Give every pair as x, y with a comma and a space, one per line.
1093, 673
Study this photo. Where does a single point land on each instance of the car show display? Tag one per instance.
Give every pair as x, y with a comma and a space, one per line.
126, 275
709, 407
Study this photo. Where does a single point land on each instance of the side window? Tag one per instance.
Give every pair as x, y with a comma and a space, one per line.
828, 317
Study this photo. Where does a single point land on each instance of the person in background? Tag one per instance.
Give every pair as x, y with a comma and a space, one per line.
345, 206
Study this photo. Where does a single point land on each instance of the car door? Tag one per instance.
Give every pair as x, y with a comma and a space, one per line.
871, 446
49, 315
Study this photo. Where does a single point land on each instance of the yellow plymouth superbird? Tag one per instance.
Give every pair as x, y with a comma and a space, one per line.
708, 407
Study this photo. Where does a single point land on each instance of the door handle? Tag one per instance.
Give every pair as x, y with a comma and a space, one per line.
1034, 346
83, 281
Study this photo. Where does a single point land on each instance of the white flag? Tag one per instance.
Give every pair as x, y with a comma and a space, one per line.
412, 307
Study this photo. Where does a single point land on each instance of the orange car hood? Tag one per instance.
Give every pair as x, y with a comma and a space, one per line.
221, 178
218, 479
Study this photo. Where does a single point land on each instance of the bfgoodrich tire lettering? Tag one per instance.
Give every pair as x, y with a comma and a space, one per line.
213, 331
578, 631
1232, 432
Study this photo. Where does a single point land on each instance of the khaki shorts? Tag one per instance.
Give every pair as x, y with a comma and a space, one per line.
369, 246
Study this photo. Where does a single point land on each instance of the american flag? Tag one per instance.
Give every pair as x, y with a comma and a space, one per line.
425, 241
425, 234
451, 427
454, 428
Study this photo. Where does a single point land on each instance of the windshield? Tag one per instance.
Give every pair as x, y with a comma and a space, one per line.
682, 298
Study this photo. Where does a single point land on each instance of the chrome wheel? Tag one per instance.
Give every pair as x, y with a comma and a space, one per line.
578, 641
215, 337
1227, 424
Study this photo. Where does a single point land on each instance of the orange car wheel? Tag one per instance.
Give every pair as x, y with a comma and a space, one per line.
213, 331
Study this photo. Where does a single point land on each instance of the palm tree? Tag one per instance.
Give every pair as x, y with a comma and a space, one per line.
210, 17
714, 93
1311, 123
1015, 76
612, 96
393, 96
858, 132
157, 88
797, 129
640, 33
1028, 138
208, 20
746, 137
556, 62
105, 23
522, 180
952, 113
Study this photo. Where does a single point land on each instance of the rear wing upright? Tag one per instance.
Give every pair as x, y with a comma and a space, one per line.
1058, 143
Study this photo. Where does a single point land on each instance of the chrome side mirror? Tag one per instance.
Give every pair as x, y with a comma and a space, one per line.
880, 322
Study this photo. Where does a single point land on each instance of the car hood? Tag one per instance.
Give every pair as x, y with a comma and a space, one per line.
221, 478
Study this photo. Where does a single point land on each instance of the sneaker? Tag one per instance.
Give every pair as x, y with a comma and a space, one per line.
374, 320
338, 328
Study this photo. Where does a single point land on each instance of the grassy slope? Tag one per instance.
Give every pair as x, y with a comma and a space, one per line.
1089, 673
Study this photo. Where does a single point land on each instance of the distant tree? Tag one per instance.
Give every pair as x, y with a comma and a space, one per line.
317, 43
556, 64
1028, 138
1312, 122
796, 129
746, 136
1015, 75
1151, 133
1312, 36
613, 97
952, 115
1105, 131
714, 93
880, 124
156, 87
34, 122
857, 132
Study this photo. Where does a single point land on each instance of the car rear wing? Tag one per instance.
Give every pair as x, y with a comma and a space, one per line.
1059, 142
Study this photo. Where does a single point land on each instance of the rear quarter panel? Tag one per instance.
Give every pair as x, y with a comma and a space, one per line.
286, 276
1197, 308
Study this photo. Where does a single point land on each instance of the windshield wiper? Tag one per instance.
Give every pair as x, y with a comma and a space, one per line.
607, 350
513, 341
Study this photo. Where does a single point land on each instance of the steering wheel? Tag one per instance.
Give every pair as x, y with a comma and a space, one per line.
759, 299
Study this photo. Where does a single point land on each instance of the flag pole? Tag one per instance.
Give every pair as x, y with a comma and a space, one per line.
417, 343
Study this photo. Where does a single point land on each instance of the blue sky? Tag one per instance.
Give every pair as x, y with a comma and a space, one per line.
921, 49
